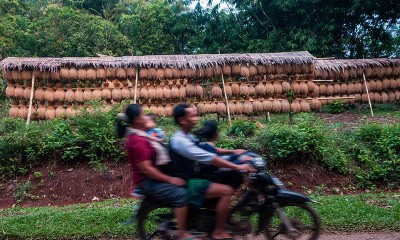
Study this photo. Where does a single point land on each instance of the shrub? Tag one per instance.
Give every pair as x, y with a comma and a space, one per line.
242, 128
336, 106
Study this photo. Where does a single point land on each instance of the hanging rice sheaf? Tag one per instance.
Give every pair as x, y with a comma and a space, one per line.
201, 108
239, 107
351, 87
100, 74
357, 97
143, 73
305, 105
87, 94
168, 110
96, 94
168, 73
330, 90
69, 94
182, 92
221, 108
252, 90
245, 71
227, 70
216, 91
253, 71
44, 75
296, 87
125, 92
91, 74
111, 73
144, 93
277, 87
379, 86
285, 106
385, 84
60, 111
190, 90
152, 92
228, 89
364, 98
166, 92
358, 87
371, 85
50, 112
49, 93
106, 92
392, 83
78, 94
116, 93
121, 73
23, 110
199, 90
209, 72
322, 89
72, 73
174, 91
295, 106
258, 106
269, 88
16, 75
213, 107
13, 111
336, 88
59, 94
311, 85
70, 111
160, 110
236, 69
247, 107
377, 97
262, 69
277, 106
232, 107
152, 73
82, 73
391, 96
344, 88
64, 73
267, 105
27, 91
26, 75
41, 111
235, 88
384, 97
315, 93
315, 104
131, 72
160, 74
159, 92
397, 94
39, 92
244, 89
19, 90
303, 88
10, 89
260, 89
153, 109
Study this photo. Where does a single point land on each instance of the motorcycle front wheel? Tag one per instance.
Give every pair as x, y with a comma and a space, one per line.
304, 219
154, 222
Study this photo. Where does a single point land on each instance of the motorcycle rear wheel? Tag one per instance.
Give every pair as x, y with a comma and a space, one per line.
151, 224
303, 218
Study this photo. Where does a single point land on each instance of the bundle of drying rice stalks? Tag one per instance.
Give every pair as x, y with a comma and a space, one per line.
305, 106
364, 97
398, 82
59, 94
351, 87
60, 111
303, 88
10, 89
121, 73
296, 87
371, 85
384, 97
19, 90
39, 93
216, 91
397, 94
159, 92
160, 110
106, 92
269, 88
244, 89
199, 91
385, 84
151, 91
247, 107
336, 88
26, 93
23, 110
190, 90
13, 111
379, 85
391, 96
277, 88
352, 99
82, 73
41, 111
73, 73
228, 90
201, 108
262, 69
315, 104
212, 107
239, 107
344, 88
168, 73
160, 74
50, 112
285, 86
131, 72
392, 83
143, 73
267, 105
166, 92
260, 89
182, 92
69, 94
235, 88
221, 108
330, 90
253, 71
295, 106
153, 109
125, 92
258, 106
357, 97
227, 70
311, 85
277, 106
87, 94
252, 90
16, 75
285, 106
232, 107
168, 110
48, 93
152, 73
26, 75
78, 94
236, 69
322, 89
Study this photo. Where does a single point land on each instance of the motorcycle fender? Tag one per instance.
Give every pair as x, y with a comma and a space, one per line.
285, 196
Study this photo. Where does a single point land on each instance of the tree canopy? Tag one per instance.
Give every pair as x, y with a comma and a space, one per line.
339, 28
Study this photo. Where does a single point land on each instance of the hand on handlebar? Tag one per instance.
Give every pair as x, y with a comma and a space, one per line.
239, 151
245, 168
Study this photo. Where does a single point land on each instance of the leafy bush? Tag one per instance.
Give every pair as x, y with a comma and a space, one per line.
336, 106
242, 128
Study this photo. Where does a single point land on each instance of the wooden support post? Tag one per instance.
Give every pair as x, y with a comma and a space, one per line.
136, 82
30, 101
369, 99
226, 98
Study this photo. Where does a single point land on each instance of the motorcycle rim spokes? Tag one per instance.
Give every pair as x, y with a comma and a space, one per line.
305, 221
152, 223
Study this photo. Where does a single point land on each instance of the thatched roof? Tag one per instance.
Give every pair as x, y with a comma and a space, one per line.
338, 65
159, 61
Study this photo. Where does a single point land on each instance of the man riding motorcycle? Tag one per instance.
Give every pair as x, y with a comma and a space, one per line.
186, 157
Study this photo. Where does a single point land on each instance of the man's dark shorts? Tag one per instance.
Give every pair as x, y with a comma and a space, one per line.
166, 193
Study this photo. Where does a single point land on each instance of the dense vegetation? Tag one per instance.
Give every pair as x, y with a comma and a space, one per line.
370, 152
350, 28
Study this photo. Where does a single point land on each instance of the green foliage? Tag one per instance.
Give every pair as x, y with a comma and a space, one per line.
242, 128
336, 106
22, 191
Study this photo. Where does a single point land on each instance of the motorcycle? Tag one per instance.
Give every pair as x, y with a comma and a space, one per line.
266, 208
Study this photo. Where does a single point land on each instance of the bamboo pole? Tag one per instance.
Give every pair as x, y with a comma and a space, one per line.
369, 99
226, 99
30, 101
136, 82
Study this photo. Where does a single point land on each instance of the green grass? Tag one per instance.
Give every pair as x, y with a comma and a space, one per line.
364, 212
